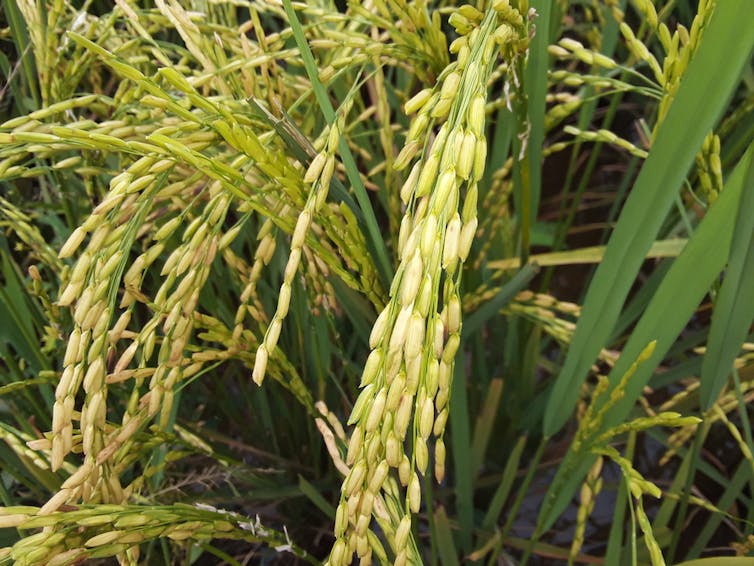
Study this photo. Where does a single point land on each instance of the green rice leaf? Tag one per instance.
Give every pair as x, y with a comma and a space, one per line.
722, 54
734, 308
374, 236
668, 312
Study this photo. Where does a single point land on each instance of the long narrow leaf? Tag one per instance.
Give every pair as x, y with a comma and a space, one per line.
484, 422
734, 309
446, 548
724, 54
681, 291
668, 312
536, 89
373, 230
592, 254
461, 444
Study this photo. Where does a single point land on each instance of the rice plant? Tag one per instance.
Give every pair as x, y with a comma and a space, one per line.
402, 282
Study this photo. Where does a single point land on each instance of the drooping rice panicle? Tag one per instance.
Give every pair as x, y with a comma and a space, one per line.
318, 176
407, 376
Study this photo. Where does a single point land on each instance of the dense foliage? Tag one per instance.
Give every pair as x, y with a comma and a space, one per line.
412, 282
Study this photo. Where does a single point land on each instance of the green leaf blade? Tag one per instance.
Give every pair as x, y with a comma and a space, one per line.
734, 310
667, 314
723, 54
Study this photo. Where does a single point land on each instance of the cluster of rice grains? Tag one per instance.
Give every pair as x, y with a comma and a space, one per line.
676, 48
179, 197
401, 412
318, 176
91, 532
91, 360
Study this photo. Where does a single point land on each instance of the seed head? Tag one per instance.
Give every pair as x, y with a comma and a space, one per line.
445, 185
439, 460
466, 239
375, 412
466, 155
421, 455
426, 418
417, 101
404, 232
372, 367
354, 445
418, 125
402, 533
424, 297
302, 225
395, 391
428, 235
410, 184
440, 421
393, 451
260, 365
374, 449
450, 245
476, 116
355, 478
406, 154
415, 336
450, 86
364, 399
414, 493
451, 347
378, 478
398, 336
404, 470
428, 174
402, 417
454, 314
338, 553
284, 300
412, 278
72, 243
